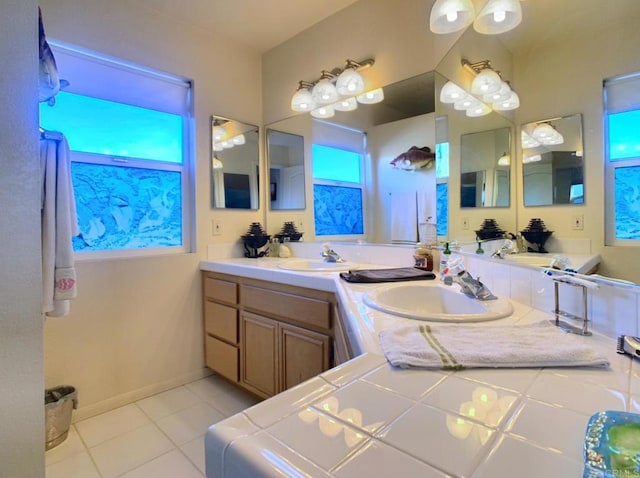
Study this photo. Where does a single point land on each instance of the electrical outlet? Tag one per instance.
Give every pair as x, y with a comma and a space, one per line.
465, 223
216, 227
578, 222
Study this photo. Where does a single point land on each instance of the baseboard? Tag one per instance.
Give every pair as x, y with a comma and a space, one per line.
126, 398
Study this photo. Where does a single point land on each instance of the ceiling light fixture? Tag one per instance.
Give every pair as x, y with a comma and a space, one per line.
497, 16
336, 90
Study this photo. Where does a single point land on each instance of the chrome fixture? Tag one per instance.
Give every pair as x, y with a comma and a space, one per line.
340, 89
470, 286
507, 248
497, 16
330, 255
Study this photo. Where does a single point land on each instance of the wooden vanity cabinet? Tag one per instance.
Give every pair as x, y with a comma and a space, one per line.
272, 336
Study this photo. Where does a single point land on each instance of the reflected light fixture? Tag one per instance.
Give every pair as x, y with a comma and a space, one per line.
527, 141
497, 16
336, 90
238, 140
546, 134
504, 160
531, 159
216, 163
491, 87
218, 133
448, 16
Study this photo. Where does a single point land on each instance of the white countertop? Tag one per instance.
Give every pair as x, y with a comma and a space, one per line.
365, 418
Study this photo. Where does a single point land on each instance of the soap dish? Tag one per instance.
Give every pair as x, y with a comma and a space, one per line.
612, 445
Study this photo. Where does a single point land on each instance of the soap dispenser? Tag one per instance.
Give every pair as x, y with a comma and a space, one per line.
283, 251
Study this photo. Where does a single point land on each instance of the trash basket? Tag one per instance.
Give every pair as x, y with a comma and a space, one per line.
59, 402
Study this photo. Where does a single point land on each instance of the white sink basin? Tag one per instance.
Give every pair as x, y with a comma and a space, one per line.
435, 303
315, 265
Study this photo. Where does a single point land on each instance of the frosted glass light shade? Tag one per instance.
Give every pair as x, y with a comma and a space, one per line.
543, 132
302, 101
466, 102
323, 112
479, 109
238, 140
510, 103
350, 83
348, 104
501, 95
324, 93
486, 82
218, 133
532, 159
504, 160
217, 147
226, 144
448, 16
371, 97
216, 163
450, 93
527, 141
498, 16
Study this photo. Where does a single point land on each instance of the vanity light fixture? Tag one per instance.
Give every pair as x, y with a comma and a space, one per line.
497, 16
216, 163
547, 135
504, 160
218, 133
489, 84
335, 90
531, 159
452, 93
527, 141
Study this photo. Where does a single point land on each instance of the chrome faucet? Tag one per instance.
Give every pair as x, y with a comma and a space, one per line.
470, 286
330, 255
507, 248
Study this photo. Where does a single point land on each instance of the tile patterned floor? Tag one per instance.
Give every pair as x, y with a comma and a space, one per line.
157, 437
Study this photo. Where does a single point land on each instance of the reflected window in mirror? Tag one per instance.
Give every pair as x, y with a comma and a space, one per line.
622, 152
442, 187
485, 165
552, 161
337, 191
235, 169
285, 155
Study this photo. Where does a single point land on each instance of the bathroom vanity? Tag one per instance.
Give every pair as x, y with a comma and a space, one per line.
365, 418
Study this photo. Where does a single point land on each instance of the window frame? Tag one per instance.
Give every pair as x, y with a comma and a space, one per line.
610, 167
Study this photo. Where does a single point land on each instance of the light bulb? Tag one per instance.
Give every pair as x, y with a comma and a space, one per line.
499, 16
452, 16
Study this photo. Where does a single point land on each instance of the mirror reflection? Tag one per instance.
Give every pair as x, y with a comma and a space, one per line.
553, 162
285, 155
234, 164
485, 161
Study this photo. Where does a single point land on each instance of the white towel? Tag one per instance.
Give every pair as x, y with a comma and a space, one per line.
426, 206
59, 225
456, 347
404, 217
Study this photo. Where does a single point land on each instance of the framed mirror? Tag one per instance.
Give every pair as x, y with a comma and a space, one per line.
553, 161
485, 168
234, 164
285, 157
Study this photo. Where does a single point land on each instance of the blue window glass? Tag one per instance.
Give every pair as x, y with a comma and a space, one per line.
442, 209
627, 202
338, 210
104, 127
126, 208
334, 164
624, 135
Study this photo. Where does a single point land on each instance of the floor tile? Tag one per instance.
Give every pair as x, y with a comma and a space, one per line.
189, 423
170, 465
76, 466
166, 403
126, 452
194, 450
98, 429
208, 387
232, 402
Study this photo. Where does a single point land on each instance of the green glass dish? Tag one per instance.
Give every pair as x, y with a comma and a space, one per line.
612, 445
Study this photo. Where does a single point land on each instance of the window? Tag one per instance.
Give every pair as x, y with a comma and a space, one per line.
442, 189
128, 129
622, 151
337, 191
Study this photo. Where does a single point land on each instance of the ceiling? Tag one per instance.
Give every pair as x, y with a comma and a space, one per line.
260, 24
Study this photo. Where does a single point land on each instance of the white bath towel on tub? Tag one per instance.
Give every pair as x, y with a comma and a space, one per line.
456, 347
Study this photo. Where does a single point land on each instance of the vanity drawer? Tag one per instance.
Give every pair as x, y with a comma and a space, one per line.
222, 358
221, 321
221, 290
306, 310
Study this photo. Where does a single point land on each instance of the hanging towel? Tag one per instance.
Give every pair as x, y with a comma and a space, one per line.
404, 217
426, 206
59, 225
456, 347
396, 274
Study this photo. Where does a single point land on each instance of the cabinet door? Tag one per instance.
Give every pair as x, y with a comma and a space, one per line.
221, 358
305, 354
259, 362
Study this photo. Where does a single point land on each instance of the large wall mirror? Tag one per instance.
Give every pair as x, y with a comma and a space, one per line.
553, 161
235, 175
285, 155
485, 168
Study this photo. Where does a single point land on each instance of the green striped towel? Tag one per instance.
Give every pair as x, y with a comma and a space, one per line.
456, 347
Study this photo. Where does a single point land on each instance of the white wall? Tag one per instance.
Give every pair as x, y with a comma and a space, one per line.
21, 402
574, 71
136, 326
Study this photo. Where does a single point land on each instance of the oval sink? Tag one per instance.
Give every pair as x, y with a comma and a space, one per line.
315, 265
435, 303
